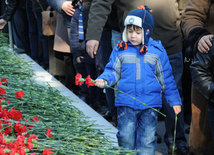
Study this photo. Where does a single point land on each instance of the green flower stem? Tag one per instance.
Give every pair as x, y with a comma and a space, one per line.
40, 6
173, 147
135, 99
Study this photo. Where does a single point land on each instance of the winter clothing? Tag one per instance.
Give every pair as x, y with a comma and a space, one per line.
143, 76
135, 135
202, 71
9, 10
197, 22
141, 18
193, 22
167, 16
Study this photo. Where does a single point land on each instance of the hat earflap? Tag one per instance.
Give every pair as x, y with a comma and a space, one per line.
124, 37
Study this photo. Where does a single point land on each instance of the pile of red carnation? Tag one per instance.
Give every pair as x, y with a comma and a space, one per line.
14, 136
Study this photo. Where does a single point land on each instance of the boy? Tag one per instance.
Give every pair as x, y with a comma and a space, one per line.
139, 66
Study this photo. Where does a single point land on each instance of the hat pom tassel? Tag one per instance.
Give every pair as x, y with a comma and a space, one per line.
145, 8
122, 46
143, 49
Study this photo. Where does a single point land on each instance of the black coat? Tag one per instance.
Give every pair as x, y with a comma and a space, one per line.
10, 9
202, 71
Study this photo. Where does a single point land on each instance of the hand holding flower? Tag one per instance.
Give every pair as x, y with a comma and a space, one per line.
100, 83
177, 109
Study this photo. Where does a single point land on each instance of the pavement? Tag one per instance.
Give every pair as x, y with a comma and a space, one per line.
44, 78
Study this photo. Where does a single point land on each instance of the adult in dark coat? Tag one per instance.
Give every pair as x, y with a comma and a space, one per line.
198, 28
15, 11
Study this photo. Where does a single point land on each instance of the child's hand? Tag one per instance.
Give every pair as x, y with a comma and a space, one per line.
100, 83
177, 109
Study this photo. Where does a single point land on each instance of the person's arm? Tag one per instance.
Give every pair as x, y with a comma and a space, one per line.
62, 6
195, 16
10, 9
8, 12
193, 25
77, 47
98, 14
113, 69
166, 79
171, 92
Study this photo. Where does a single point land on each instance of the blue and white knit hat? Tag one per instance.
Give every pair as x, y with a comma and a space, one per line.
141, 17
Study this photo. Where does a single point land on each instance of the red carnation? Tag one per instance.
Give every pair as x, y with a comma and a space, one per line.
89, 81
49, 133
4, 80
15, 114
19, 94
2, 91
20, 128
35, 119
47, 152
78, 79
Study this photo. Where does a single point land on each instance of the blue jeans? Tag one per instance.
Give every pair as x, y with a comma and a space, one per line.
176, 61
211, 118
136, 129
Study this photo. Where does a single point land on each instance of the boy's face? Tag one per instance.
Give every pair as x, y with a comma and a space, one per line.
134, 35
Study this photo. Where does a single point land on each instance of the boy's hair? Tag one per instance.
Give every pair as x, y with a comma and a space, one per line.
141, 17
135, 28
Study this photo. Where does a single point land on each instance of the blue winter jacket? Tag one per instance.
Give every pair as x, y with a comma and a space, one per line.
143, 76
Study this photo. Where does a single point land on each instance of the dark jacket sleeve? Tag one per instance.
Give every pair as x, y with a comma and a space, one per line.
56, 4
202, 71
98, 15
10, 9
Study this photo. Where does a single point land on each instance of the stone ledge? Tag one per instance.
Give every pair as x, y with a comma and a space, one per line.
44, 78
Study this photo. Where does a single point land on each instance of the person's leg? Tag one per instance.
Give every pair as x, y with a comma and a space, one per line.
176, 61
96, 95
145, 132
70, 71
115, 38
91, 70
200, 136
20, 30
43, 39
211, 118
33, 33
106, 49
127, 122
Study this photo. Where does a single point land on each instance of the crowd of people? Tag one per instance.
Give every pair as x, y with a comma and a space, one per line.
146, 48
